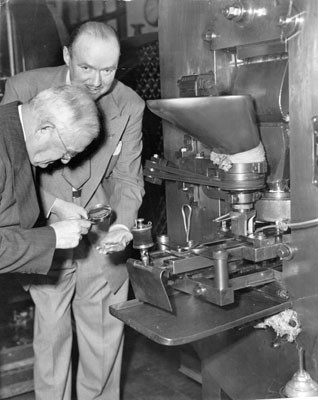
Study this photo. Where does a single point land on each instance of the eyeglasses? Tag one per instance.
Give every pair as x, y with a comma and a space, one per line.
68, 155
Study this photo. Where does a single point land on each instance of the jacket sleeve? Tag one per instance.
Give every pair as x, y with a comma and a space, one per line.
26, 250
19, 88
125, 185
10, 93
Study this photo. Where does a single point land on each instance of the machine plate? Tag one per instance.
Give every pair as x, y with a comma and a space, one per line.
194, 319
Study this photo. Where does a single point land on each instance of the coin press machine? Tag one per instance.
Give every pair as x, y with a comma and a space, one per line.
242, 232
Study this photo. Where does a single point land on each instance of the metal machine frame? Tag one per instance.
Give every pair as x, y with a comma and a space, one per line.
242, 240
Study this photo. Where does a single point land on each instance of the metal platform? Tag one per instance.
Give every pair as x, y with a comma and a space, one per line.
194, 319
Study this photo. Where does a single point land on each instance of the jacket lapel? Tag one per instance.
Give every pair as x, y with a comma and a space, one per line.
101, 159
113, 127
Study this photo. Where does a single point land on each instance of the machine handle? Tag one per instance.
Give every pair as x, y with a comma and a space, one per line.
187, 220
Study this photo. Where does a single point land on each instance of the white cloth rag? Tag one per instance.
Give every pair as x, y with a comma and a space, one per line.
225, 161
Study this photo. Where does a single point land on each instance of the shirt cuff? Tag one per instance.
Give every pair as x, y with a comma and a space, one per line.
118, 226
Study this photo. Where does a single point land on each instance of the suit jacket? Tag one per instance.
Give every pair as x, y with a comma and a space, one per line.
115, 160
22, 249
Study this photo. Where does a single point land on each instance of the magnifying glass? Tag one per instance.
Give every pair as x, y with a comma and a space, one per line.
99, 213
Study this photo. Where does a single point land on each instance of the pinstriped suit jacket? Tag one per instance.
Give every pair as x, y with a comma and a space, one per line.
22, 249
115, 178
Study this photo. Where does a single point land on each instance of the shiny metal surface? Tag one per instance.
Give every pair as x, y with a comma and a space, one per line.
148, 284
259, 18
271, 210
272, 104
224, 123
301, 385
206, 319
142, 235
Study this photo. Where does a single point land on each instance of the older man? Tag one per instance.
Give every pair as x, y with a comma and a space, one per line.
40, 131
85, 281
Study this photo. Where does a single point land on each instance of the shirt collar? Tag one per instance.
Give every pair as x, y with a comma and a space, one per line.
68, 79
21, 119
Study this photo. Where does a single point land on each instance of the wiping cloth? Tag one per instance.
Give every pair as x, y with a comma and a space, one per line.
225, 161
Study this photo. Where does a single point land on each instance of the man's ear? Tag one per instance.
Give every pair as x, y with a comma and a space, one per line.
66, 55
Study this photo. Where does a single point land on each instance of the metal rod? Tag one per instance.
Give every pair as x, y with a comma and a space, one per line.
221, 273
10, 39
301, 359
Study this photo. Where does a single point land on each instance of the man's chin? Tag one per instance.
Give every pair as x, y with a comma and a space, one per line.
97, 94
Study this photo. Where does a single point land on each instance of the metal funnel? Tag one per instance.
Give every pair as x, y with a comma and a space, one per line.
225, 123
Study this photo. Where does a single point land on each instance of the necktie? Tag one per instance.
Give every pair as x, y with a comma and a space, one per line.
76, 175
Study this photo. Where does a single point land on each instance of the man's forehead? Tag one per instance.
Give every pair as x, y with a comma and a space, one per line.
89, 39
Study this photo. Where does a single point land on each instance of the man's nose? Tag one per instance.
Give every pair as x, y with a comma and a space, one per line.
96, 79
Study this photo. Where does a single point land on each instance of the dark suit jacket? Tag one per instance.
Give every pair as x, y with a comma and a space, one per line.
22, 249
115, 161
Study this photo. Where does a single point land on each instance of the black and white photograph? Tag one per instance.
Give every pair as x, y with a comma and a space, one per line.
158, 199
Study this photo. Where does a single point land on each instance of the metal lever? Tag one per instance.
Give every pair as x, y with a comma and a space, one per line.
187, 220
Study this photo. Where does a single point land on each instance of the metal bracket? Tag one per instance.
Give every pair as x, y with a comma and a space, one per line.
148, 284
